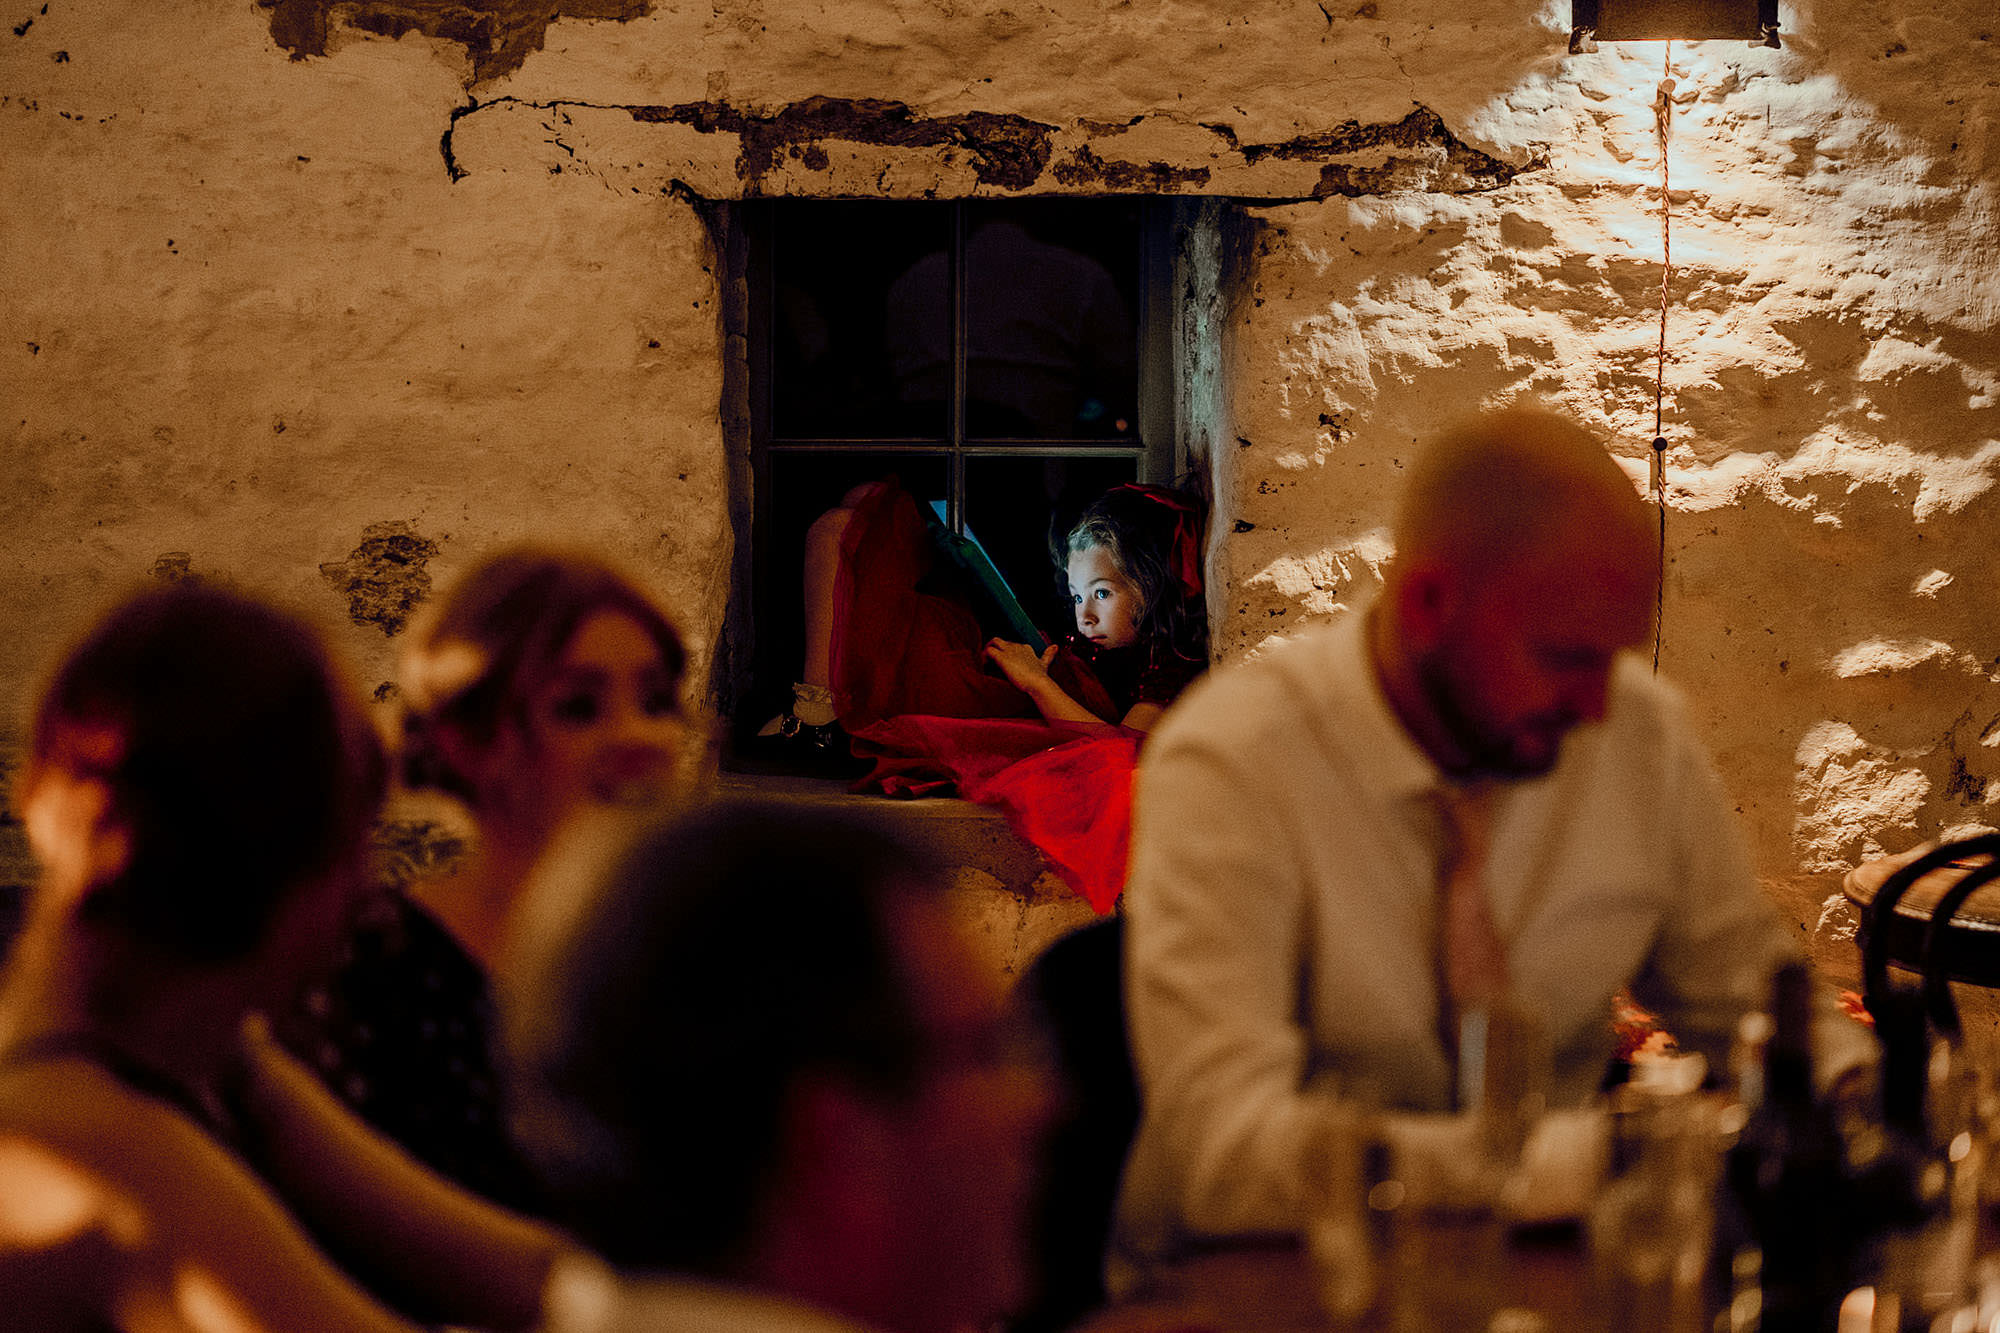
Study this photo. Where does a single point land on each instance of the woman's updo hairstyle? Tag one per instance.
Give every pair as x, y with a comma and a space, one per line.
1153, 535
476, 657
240, 764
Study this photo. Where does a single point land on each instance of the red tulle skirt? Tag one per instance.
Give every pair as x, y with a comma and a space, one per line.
914, 691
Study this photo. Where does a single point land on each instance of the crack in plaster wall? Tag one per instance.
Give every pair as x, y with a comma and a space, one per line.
1009, 152
785, 151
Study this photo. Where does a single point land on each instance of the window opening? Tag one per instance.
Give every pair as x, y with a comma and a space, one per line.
1006, 357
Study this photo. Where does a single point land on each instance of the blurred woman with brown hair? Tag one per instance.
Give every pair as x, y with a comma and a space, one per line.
198, 785
540, 689
543, 686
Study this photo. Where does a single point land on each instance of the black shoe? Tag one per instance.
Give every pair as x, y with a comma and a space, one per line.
815, 751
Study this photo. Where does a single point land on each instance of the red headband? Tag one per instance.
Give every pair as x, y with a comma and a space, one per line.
1184, 545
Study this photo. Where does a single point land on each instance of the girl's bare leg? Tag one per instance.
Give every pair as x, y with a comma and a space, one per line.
812, 694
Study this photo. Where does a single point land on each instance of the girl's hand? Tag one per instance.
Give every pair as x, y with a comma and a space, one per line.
1021, 664
1029, 672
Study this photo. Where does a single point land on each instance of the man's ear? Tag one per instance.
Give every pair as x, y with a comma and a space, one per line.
1425, 600
76, 832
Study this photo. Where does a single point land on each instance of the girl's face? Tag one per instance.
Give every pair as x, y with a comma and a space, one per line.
605, 727
1107, 603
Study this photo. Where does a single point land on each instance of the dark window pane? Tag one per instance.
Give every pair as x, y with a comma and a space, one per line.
841, 355
1014, 505
1051, 344
802, 487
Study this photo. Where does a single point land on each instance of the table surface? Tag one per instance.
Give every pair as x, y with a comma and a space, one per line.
1968, 948
1981, 910
1455, 1275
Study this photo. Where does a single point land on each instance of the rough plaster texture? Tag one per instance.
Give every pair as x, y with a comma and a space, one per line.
1829, 403
280, 278
252, 326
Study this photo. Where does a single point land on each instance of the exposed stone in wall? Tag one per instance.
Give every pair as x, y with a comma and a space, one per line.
1004, 151
418, 848
497, 34
824, 146
1085, 171
1417, 153
17, 863
175, 567
383, 579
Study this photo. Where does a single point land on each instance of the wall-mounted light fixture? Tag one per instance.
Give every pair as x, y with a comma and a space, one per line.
1593, 21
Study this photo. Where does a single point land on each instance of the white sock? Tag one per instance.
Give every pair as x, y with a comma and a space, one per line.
812, 704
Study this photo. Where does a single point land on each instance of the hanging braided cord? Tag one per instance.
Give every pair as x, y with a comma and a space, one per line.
1664, 115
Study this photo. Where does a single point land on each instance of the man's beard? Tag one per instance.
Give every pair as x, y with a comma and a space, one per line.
1484, 752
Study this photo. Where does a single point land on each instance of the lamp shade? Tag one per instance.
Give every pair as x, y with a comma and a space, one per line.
1592, 21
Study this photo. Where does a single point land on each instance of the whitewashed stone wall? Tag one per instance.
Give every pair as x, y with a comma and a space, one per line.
331, 298
1830, 393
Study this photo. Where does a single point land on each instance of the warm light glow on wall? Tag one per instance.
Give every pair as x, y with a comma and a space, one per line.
1687, 21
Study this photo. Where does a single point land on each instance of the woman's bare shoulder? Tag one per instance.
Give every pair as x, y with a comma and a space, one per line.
70, 1237
155, 1210
74, 1111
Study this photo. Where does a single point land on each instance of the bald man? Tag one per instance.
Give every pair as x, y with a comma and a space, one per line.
1298, 817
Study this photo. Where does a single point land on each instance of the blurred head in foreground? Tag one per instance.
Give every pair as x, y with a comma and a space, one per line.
200, 777
1524, 565
763, 1054
199, 788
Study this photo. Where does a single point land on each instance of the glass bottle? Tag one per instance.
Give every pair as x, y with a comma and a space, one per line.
1786, 1176
1916, 1174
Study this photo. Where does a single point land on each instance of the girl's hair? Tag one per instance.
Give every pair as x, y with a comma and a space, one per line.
1153, 536
241, 766
475, 659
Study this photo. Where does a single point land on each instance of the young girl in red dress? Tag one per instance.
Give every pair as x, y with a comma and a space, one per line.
1132, 563
1051, 737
